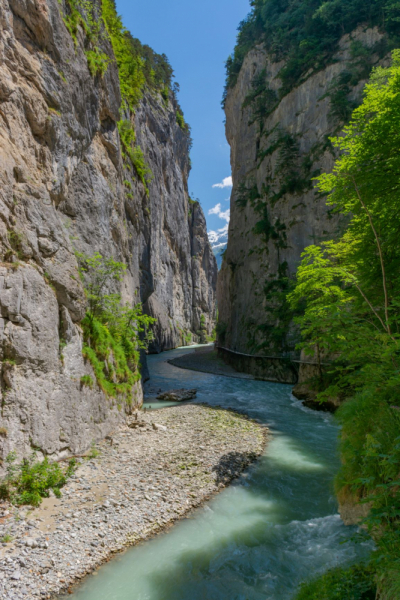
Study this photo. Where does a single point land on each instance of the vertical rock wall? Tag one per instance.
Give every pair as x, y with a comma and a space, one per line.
64, 188
275, 210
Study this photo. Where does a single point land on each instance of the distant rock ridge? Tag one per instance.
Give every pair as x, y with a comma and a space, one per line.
65, 188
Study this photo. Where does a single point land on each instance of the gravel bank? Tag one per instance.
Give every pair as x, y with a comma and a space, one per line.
143, 480
206, 360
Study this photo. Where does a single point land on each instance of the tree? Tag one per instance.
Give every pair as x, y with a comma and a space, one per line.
114, 332
351, 290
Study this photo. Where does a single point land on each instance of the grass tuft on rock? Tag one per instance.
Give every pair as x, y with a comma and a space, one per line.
31, 480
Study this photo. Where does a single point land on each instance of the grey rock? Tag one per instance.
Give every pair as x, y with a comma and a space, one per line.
177, 395
158, 427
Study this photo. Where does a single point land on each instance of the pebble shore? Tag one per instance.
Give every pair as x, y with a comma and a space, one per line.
145, 477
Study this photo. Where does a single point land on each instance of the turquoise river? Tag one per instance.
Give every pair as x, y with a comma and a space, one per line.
277, 525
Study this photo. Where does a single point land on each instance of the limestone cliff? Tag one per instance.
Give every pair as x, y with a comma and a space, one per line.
65, 187
275, 209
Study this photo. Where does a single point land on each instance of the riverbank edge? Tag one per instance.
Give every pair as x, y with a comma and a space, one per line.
155, 528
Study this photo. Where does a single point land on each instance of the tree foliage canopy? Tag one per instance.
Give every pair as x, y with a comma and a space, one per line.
138, 64
351, 291
306, 33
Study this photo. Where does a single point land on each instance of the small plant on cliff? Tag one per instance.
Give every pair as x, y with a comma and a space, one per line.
82, 14
114, 333
180, 119
74, 18
87, 381
94, 452
97, 61
134, 153
31, 480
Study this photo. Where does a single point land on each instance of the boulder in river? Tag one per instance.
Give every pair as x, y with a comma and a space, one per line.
177, 395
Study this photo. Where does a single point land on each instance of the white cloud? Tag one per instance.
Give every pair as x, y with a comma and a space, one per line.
226, 183
224, 230
221, 235
216, 210
225, 215
213, 237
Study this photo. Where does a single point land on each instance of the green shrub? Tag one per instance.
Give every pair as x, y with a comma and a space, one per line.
181, 120
32, 480
165, 94
134, 153
143, 170
356, 583
114, 333
116, 370
97, 61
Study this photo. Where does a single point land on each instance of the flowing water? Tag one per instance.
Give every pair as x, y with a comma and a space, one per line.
274, 527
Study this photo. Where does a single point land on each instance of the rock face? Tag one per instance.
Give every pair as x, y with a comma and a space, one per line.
275, 210
64, 188
178, 395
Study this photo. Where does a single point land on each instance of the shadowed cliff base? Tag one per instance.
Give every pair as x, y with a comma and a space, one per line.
222, 361
219, 361
207, 360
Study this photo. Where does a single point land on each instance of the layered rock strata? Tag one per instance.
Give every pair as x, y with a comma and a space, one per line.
64, 188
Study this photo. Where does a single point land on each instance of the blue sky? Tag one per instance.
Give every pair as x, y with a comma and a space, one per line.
197, 36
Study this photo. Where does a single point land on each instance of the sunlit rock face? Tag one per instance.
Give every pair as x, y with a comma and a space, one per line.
64, 188
290, 148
